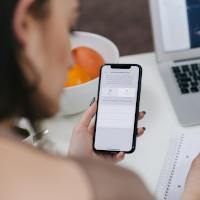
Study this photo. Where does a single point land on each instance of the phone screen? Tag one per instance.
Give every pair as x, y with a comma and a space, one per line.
115, 119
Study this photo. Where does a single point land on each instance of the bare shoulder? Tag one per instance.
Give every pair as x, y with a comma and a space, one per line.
26, 173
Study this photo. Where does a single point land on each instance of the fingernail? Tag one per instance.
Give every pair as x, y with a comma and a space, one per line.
93, 100
145, 112
144, 128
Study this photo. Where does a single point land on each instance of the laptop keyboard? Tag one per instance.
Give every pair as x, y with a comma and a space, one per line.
188, 78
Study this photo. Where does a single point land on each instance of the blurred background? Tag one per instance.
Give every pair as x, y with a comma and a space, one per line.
125, 22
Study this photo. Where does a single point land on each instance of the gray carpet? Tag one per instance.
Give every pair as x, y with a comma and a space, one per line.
125, 22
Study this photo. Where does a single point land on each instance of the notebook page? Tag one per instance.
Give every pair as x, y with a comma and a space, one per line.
163, 185
187, 148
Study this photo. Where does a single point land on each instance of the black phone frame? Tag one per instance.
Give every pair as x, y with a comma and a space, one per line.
121, 66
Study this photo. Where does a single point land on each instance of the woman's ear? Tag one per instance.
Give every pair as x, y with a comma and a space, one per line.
23, 21
27, 35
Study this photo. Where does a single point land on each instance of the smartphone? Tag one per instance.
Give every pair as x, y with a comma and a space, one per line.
117, 108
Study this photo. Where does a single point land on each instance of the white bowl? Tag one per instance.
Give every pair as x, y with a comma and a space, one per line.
77, 99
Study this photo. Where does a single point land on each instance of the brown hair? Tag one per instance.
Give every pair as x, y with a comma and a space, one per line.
15, 94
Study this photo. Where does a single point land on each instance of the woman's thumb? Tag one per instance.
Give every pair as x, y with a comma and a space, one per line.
88, 115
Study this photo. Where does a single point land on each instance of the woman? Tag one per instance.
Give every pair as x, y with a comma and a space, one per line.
34, 59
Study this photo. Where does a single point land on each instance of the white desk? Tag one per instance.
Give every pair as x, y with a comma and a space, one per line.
160, 121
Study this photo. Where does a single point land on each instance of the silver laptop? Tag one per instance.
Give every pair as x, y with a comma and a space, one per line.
176, 27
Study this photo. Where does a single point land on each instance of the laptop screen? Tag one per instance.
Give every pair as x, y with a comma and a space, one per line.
180, 24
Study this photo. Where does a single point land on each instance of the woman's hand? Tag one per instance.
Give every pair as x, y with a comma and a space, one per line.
192, 186
81, 144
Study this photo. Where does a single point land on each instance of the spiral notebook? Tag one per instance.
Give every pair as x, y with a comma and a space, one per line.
182, 151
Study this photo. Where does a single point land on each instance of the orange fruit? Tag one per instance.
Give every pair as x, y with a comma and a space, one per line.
89, 59
76, 76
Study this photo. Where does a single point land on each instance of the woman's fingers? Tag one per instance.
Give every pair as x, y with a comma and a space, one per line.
113, 157
88, 115
91, 127
141, 115
141, 131
120, 156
